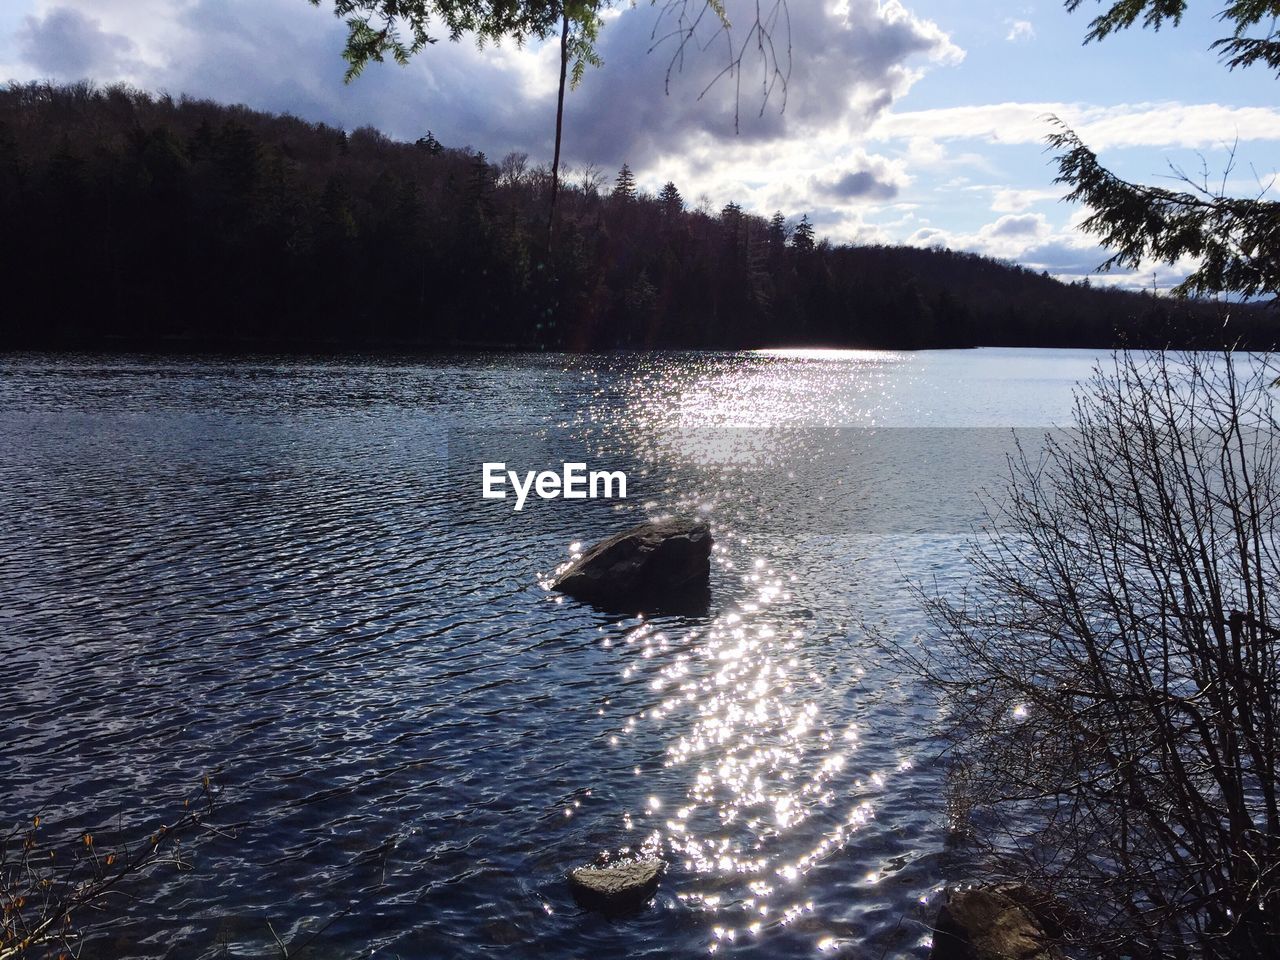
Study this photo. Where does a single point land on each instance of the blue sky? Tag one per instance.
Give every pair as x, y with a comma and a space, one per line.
906, 121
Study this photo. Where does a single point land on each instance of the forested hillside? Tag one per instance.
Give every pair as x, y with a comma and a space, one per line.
144, 221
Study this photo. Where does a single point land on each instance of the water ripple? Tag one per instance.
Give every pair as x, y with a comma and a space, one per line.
257, 567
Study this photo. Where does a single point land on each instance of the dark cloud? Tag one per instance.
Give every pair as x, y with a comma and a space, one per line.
861, 185
285, 55
844, 66
65, 44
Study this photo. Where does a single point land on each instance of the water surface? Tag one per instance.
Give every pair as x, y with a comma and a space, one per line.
279, 569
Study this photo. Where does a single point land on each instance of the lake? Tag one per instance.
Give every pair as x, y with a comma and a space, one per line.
283, 570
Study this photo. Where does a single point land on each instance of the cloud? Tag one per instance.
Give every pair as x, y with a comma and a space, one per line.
1194, 126
1066, 254
1020, 31
1062, 257
66, 43
929, 237
861, 185
854, 61
669, 119
866, 178
1012, 200
1016, 226
1008, 237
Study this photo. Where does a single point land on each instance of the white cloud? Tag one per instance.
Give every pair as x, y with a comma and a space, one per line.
1012, 200
1123, 125
1010, 236
929, 237
1065, 253
1020, 31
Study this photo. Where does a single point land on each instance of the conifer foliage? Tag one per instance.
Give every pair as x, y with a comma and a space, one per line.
182, 222
1234, 241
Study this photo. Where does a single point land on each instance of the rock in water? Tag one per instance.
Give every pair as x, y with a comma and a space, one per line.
654, 561
622, 887
986, 924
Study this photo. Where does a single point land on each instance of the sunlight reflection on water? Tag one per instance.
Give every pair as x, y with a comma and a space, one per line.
204, 564
773, 781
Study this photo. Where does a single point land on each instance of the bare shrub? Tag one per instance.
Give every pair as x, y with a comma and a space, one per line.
1109, 676
48, 886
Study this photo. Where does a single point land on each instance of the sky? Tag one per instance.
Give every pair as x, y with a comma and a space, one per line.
901, 121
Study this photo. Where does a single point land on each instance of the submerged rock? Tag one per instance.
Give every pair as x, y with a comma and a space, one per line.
621, 887
662, 560
986, 923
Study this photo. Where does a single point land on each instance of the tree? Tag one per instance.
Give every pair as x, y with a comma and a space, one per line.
512, 170
428, 143
481, 184
1109, 674
377, 29
671, 201
777, 230
1235, 241
624, 187
580, 25
802, 238
399, 29
291, 237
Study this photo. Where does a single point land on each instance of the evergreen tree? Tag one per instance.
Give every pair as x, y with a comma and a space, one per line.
777, 230
802, 238
430, 144
672, 202
194, 222
624, 187
481, 183
1234, 240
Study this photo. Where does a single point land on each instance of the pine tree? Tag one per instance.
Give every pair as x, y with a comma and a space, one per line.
777, 234
1232, 238
430, 144
672, 202
624, 187
802, 238
480, 185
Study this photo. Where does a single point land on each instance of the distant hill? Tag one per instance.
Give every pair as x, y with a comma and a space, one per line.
140, 221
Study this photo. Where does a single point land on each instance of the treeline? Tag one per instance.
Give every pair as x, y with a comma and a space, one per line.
143, 221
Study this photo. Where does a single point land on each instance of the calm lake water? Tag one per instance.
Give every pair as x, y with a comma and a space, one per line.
284, 570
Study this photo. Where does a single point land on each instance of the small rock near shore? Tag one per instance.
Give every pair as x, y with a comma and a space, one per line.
984, 923
623, 886
654, 561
